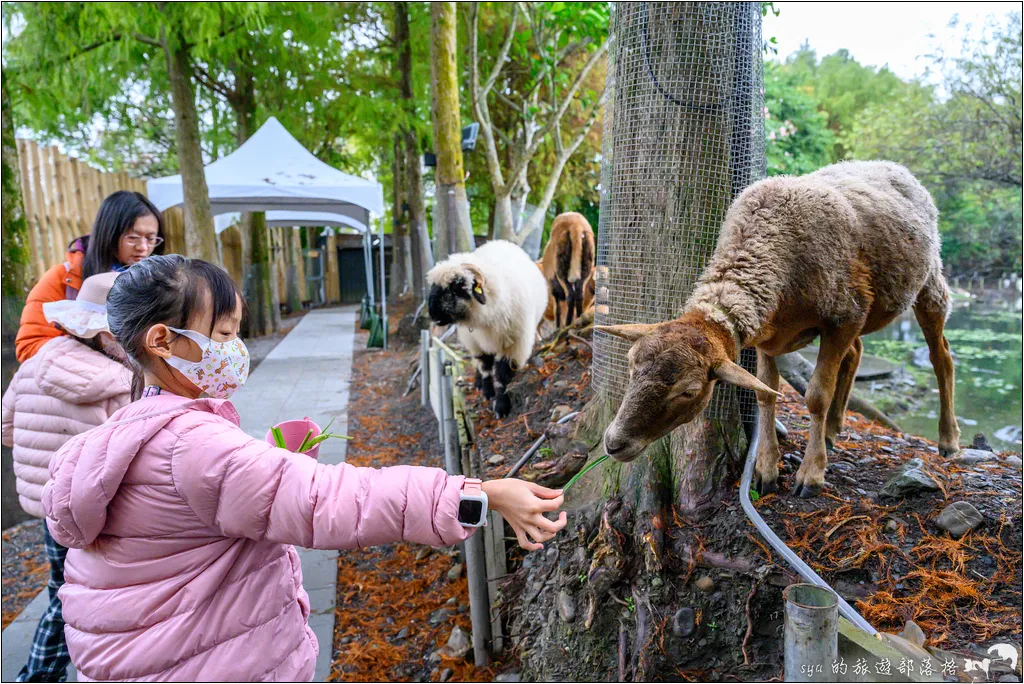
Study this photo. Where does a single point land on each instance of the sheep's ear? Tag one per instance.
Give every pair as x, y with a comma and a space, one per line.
736, 374
477, 289
630, 331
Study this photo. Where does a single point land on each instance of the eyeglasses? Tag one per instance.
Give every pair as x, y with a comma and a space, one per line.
136, 240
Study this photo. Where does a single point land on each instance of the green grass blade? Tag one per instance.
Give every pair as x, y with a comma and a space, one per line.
278, 438
593, 464
302, 446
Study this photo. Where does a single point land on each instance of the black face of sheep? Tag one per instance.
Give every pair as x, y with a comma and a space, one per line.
451, 303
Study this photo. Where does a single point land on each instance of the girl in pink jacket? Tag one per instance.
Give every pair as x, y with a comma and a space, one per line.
73, 383
181, 525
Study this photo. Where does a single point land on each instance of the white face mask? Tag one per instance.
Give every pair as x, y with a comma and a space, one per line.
223, 368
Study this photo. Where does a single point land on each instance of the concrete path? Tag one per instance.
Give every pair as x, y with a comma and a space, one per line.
307, 374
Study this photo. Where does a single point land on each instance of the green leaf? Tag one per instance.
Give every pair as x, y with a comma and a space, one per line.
593, 464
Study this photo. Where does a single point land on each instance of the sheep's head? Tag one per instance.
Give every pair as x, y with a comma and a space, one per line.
454, 287
673, 368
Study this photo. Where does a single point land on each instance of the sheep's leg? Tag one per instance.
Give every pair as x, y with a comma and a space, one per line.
931, 309
485, 374
503, 374
766, 471
810, 478
844, 384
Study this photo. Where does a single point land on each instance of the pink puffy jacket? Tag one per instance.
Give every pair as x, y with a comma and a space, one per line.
65, 389
180, 527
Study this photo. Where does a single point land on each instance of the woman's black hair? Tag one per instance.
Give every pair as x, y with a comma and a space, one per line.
164, 289
116, 216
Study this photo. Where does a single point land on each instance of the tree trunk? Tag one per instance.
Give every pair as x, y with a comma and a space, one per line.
200, 236
262, 287
667, 185
16, 278
416, 212
401, 258
454, 232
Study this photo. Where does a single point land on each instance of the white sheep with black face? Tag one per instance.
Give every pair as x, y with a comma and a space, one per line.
497, 297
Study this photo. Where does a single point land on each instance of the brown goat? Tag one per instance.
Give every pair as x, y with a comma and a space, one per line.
589, 293
836, 254
568, 264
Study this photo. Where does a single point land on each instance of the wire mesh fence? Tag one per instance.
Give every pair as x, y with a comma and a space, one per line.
683, 135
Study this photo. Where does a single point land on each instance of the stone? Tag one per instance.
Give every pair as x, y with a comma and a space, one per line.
913, 633
891, 525
508, 677
559, 412
402, 633
496, 459
704, 583
1013, 461
780, 429
558, 384
683, 622
451, 602
434, 658
958, 519
887, 450
911, 479
455, 572
446, 674
973, 456
423, 553
458, 643
439, 616
566, 607
579, 556
980, 442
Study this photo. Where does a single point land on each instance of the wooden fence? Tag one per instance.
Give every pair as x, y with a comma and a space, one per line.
62, 195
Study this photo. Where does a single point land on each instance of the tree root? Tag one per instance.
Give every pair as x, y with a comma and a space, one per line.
750, 624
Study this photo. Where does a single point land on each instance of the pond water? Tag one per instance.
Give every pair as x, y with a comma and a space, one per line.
985, 336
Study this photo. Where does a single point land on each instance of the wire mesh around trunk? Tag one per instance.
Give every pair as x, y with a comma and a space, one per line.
683, 135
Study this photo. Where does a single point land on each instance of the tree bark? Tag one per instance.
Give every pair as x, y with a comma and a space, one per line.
200, 236
262, 290
454, 232
401, 259
416, 212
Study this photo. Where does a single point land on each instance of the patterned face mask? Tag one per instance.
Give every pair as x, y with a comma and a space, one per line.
223, 368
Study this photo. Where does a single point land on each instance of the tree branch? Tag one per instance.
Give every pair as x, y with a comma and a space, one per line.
479, 100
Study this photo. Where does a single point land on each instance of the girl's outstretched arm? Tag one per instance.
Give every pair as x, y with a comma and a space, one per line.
246, 488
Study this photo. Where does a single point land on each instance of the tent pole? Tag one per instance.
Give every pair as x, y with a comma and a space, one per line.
383, 290
368, 266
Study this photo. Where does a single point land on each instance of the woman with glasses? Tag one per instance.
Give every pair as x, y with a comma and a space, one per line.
127, 229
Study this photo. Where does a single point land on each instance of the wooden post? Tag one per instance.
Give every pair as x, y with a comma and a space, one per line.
300, 265
82, 222
29, 198
332, 284
59, 179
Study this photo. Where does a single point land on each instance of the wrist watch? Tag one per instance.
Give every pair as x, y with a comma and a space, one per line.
472, 504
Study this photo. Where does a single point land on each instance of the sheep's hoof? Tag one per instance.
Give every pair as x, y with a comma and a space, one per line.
946, 451
488, 388
765, 486
806, 491
502, 406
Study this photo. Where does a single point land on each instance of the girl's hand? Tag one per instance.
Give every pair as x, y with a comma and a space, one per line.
523, 505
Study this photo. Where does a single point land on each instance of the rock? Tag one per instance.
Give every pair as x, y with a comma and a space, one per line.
566, 607
958, 519
702, 643
558, 384
579, 556
973, 456
455, 573
496, 459
980, 442
780, 430
913, 633
451, 602
911, 479
1013, 461
887, 450
508, 677
458, 643
559, 412
683, 622
867, 460
402, 633
704, 583
891, 525
439, 616
921, 357
1010, 433
446, 674
423, 553
1009, 678
434, 658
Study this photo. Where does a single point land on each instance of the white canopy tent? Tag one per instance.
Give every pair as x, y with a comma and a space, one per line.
272, 172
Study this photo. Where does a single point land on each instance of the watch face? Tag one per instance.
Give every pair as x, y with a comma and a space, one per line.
470, 511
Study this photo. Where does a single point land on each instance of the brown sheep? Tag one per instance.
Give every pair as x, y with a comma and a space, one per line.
589, 293
835, 254
568, 264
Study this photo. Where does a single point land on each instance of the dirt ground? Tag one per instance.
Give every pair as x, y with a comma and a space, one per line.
885, 556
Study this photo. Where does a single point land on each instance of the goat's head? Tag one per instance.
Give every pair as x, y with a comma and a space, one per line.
454, 287
673, 368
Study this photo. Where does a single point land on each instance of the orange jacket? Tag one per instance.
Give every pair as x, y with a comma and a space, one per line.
34, 330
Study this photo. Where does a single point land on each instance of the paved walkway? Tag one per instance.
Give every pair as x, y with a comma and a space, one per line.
307, 374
